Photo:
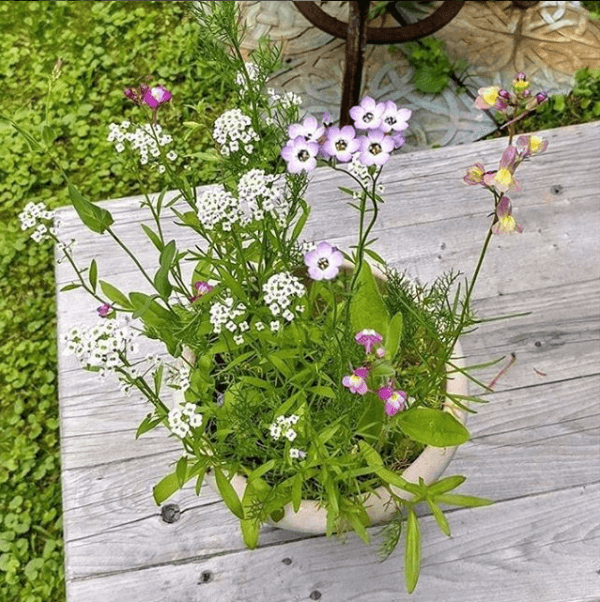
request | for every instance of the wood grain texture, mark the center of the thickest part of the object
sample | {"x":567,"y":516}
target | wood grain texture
{"x":534,"y":448}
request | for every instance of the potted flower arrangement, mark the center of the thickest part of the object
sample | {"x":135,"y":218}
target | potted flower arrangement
{"x":313,"y":387}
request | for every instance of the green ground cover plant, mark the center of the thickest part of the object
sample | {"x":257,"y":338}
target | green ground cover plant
{"x":76,"y":51}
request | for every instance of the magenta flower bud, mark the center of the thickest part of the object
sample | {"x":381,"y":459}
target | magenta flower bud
{"x":132,"y":95}
{"x":380,"y":352}
{"x":104,"y":310}
{"x":526,"y":93}
{"x":504,"y":94}
{"x":541,"y":97}
{"x":520,"y":77}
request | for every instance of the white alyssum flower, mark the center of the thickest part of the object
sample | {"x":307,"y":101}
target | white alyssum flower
{"x":145,"y":140}
{"x":283,"y":427}
{"x":37,"y":215}
{"x":233,"y":131}
{"x":297,"y":454}
{"x":259,"y":326}
{"x":217,"y":206}
{"x":284,"y":99}
{"x":261,"y":193}
{"x":252,"y":72}
{"x":223,"y":314}
{"x":359,"y":171}
{"x":280,"y":291}
{"x":183,"y":418}
{"x":178,"y":376}
{"x":101,"y":346}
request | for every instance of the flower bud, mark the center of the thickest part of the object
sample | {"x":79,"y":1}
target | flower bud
{"x":541,"y":97}
{"x":520,"y":77}
{"x":504,"y":94}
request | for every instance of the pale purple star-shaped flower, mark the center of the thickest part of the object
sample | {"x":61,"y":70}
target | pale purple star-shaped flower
{"x":367,"y":338}
{"x":368,"y":114}
{"x":323,"y":262}
{"x":375,"y":148}
{"x":356,"y":381}
{"x":395,"y":401}
{"x":309,"y":129}
{"x":156,"y":96}
{"x":393,"y":118}
{"x":300,"y":154}
{"x":341,"y":143}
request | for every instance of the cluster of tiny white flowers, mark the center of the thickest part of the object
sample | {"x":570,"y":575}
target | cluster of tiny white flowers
{"x":217,"y":206}
{"x":283,"y":427}
{"x":224,"y":314}
{"x":232,"y":129}
{"x":146,"y":139}
{"x":99,"y":347}
{"x":178,"y":376}
{"x":184,"y":418}
{"x":36,"y":215}
{"x":359,"y":171}
{"x":279,"y":291}
{"x":285,"y":99}
{"x":258,"y":195}
{"x":297,"y":454}
{"x":253,"y":73}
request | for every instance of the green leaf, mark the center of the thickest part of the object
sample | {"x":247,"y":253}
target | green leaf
{"x":250,"y":526}
{"x":181,"y":470}
{"x":165,"y":488}
{"x":371,"y":456}
{"x":93,"y":274}
{"x":300,"y":224}
{"x":440,"y":519}
{"x":230,"y":497}
{"x":323,"y":391}
{"x":433,"y":427}
{"x":394,"y":335}
{"x":429,"y":80}
{"x":70,"y":287}
{"x":95,"y":218}
{"x":153,"y":237}
{"x":468,"y":501}
{"x":279,"y":364}
{"x":33,"y":143}
{"x":147,"y":424}
{"x":412,"y":552}
{"x":446,"y":484}
{"x":367,"y":307}
{"x":371,"y":422}
{"x":115,"y":295}
{"x":48,"y":136}
{"x":297,"y":492}
{"x":161,"y":278}
{"x":261,"y":470}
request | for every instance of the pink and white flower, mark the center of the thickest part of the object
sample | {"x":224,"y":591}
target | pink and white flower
{"x":156,"y":96}
{"x":367,"y":338}
{"x":395,"y":401}
{"x":356,"y":381}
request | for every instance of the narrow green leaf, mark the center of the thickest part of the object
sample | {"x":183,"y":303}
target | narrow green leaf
{"x":230,"y":497}
{"x":371,"y":456}
{"x":446,"y":484}
{"x":412,"y":553}
{"x":300,"y":224}
{"x":279,"y":364}
{"x":95,"y":218}
{"x":468,"y":501}
{"x":433,"y":427}
{"x":153,"y":237}
{"x":70,"y":287}
{"x":48,"y":135}
{"x":93,"y":274}
{"x":181,"y":470}
{"x":115,"y":295}
{"x":323,"y":391}
{"x":261,"y":470}
{"x":33,"y":143}
{"x":297,"y":492}
{"x":165,"y":488}
{"x":147,"y":424}
{"x":440,"y":519}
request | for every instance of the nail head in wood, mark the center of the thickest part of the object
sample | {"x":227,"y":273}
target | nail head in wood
{"x":205,"y":577}
{"x":170,"y":513}
{"x":315,"y":595}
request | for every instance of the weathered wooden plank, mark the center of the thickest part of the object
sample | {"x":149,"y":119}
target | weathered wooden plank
{"x":543,"y":548}
{"x":543,"y":429}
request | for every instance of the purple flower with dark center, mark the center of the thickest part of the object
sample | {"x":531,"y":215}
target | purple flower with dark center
{"x":323,"y":262}
{"x":104,"y":310}
{"x":393,"y":118}
{"x":375,"y":148}
{"x":367,"y":338}
{"x":341,"y":143}
{"x":156,"y":96}
{"x":395,"y":401}
{"x":368,"y":114}
{"x":506,"y":223}
{"x":356,"y":381}
{"x":300,"y":154}
{"x":309,"y":129}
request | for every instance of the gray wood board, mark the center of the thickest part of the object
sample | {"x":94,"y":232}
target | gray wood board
{"x":534,"y":447}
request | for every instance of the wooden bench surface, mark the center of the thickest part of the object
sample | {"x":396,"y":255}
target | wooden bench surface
{"x":534,"y":449}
